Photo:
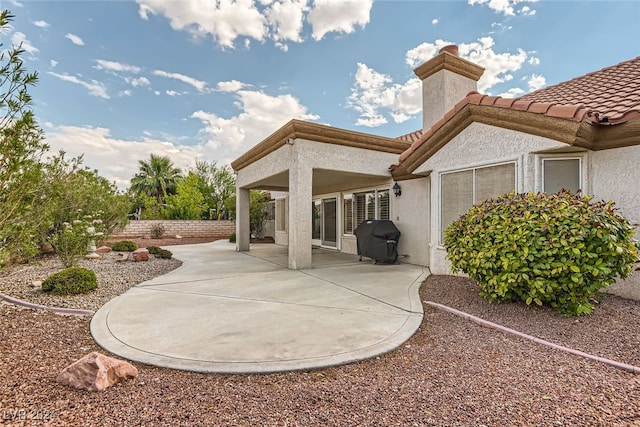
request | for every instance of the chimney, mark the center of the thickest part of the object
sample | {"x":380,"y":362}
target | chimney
{"x":446,"y":80}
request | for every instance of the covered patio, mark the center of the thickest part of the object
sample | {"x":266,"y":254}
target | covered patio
{"x":305,"y":164}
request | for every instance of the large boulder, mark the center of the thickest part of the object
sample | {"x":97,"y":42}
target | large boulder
{"x":95,"y":372}
{"x":103,"y":250}
{"x":141,"y":254}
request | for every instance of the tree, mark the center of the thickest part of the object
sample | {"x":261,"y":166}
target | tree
{"x":21,"y":145}
{"x":217,"y":185}
{"x":157,"y":177}
{"x":188,"y":202}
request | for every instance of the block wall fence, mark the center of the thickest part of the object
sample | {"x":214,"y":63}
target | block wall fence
{"x":185,"y":228}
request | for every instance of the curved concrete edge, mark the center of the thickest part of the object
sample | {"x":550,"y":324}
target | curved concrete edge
{"x":57,"y":310}
{"x":102,"y":335}
{"x":488,"y":324}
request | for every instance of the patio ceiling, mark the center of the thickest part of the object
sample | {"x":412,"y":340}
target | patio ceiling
{"x":324,"y":181}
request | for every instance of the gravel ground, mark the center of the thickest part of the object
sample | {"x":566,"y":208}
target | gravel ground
{"x":450,"y":373}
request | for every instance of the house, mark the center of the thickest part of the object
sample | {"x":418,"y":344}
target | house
{"x":581,"y":134}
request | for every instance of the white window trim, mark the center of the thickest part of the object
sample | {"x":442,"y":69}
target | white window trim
{"x":346,"y":196}
{"x":565,"y":156}
{"x":514,"y":162}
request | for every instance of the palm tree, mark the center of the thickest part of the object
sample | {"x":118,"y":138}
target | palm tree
{"x":157,"y":178}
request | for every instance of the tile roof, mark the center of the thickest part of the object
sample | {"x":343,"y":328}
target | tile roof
{"x":611,"y":94}
{"x":605,"y":97}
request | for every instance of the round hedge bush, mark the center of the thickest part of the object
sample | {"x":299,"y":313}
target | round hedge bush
{"x":124,"y":246}
{"x":159,"y":252}
{"x":72,"y":280}
{"x":553,"y":249}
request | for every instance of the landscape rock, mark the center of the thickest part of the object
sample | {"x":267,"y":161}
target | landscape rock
{"x":95,"y":372}
{"x":47,"y":248}
{"x":141,"y":254}
{"x":123,"y":257}
{"x":103,"y":250}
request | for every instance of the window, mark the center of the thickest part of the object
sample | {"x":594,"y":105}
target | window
{"x":348,"y":214}
{"x":369,"y":205}
{"x":461,"y":190}
{"x":561,"y":173}
{"x":281,"y":214}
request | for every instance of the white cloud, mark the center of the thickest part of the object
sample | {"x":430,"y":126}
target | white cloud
{"x":224,"y":20}
{"x":286,"y":18}
{"x":223,"y":139}
{"x":536,"y":82}
{"x":377,"y":98}
{"x":20,"y":39}
{"x":278,"y":20}
{"x":534,"y":60}
{"x":41,"y":24}
{"x":53,"y":63}
{"x":198,"y":84}
{"x":527,"y":11}
{"x":498,"y":66}
{"x":74,"y":39}
{"x":338,"y":15}
{"x":173,"y":93}
{"x":512,"y":93}
{"x":126,"y":92}
{"x":137,"y":82}
{"x":117,"y":159}
{"x":506,"y":7}
{"x":230,"y":86}
{"x":94,"y":87}
{"x":260,"y":115}
{"x":102,"y":64}
{"x":435,"y":21}
{"x":373,"y":94}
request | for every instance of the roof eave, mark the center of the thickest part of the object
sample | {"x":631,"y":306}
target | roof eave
{"x":319,"y":133}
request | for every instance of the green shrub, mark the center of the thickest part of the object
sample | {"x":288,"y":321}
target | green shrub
{"x":157,"y":231}
{"x":232,"y":238}
{"x":159,"y":252}
{"x":154,"y":249}
{"x":554,"y":249}
{"x":124,"y":246}
{"x":73,"y":280}
{"x":165,"y":254}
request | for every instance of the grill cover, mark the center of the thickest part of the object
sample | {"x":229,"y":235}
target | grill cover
{"x":378,"y":240}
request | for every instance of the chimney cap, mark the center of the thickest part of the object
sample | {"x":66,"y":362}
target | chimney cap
{"x":450,"y":48}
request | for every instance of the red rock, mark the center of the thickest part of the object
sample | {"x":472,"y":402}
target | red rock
{"x":141,"y":254}
{"x":95,"y":372}
{"x":103,"y":250}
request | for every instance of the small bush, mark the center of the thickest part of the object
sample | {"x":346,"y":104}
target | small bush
{"x":556,"y":249}
{"x":73,"y":280}
{"x":159,"y":252}
{"x":124,"y":246}
{"x":157,"y":231}
{"x":232,"y":238}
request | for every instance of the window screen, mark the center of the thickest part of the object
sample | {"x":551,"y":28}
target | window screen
{"x":558,"y":174}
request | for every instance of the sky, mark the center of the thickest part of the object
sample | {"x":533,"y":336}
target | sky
{"x":209,"y":79}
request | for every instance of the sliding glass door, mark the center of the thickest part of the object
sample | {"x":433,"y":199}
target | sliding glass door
{"x":324,"y":222}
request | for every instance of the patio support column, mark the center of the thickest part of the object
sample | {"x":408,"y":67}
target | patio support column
{"x":243,"y":226}
{"x":300,"y":198}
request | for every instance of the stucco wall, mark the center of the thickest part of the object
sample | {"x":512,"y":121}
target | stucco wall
{"x":219,"y":229}
{"x":615,"y":176}
{"x":411,"y":214}
{"x":480,"y":145}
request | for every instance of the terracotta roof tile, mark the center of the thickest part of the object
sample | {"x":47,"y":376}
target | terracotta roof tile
{"x":610,"y":95}
{"x":411,"y":137}
{"x":613,"y":92}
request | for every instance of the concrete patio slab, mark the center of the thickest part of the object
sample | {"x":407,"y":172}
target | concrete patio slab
{"x":232,"y":312}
